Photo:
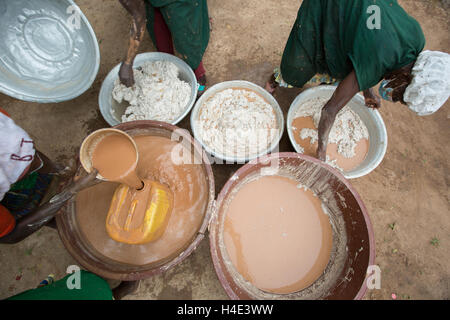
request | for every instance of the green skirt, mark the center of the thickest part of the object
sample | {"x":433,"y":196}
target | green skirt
{"x":335,"y":37}
{"x":304,"y":55}
{"x":188,"y":22}
{"x":92,"y":287}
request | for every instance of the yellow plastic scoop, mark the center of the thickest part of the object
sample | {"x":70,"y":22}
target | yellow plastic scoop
{"x":139,"y":216}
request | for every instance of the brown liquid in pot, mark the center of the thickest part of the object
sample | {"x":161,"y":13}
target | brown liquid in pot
{"x":277,"y":235}
{"x":187,"y":182}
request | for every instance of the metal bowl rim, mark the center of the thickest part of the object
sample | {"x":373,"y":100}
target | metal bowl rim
{"x":113,"y":74}
{"x":236,"y":83}
{"x":227,"y":188}
{"x":31,"y":98}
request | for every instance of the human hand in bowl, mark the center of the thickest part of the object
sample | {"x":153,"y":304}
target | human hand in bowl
{"x":126,"y":74}
{"x":137,"y":9}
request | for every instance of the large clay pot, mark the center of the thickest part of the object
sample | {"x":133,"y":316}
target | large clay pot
{"x":353,"y":240}
{"x":91,"y":259}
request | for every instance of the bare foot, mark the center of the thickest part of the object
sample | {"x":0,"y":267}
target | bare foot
{"x":271,"y":85}
{"x":371,"y":99}
{"x":126,"y":75}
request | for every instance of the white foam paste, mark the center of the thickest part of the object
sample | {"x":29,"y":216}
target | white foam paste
{"x":347,"y":129}
{"x":158,"y":93}
{"x":237,"y":123}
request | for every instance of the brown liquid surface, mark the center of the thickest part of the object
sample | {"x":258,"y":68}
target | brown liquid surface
{"x":189,"y":186}
{"x":277,"y":235}
{"x":114,"y":157}
{"x":347,"y":164}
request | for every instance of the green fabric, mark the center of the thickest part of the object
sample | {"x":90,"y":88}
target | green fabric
{"x":92,"y":288}
{"x":188,"y":22}
{"x":27,"y":194}
{"x":160,"y":3}
{"x":331,"y":36}
{"x":28,"y":182}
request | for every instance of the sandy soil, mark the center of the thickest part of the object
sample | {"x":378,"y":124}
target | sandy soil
{"x":407,"y":196}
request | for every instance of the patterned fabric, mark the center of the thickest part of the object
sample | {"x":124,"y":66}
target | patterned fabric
{"x":279,"y":78}
{"x":49,"y":280}
{"x":26,"y":195}
{"x":385,"y":93}
{"x":322,"y":79}
{"x":317,"y":79}
{"x":188,"y":22}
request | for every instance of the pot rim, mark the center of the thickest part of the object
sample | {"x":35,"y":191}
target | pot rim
{"x":83,"y":258}
{"x":248,"y":167}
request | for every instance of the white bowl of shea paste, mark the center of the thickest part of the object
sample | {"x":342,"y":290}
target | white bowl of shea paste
{"x":371,"y":119}
{"x":237,"y":121}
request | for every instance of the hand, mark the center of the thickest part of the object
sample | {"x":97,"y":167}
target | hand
{"x":137,"y":9}
{"x":371,"y":99}
{"x":84,"y":181}
{"x":126,"y":75}
{"x":44,"y":213}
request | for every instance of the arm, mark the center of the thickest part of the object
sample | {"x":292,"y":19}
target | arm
{"x":43,"y":214}
{"x":345,"y":91}
{"x":137,"y":9}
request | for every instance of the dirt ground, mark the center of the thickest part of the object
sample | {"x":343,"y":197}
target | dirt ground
{"x":407,"y":196}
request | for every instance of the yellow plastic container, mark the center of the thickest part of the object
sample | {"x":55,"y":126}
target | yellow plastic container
{"x":139,"y":216}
